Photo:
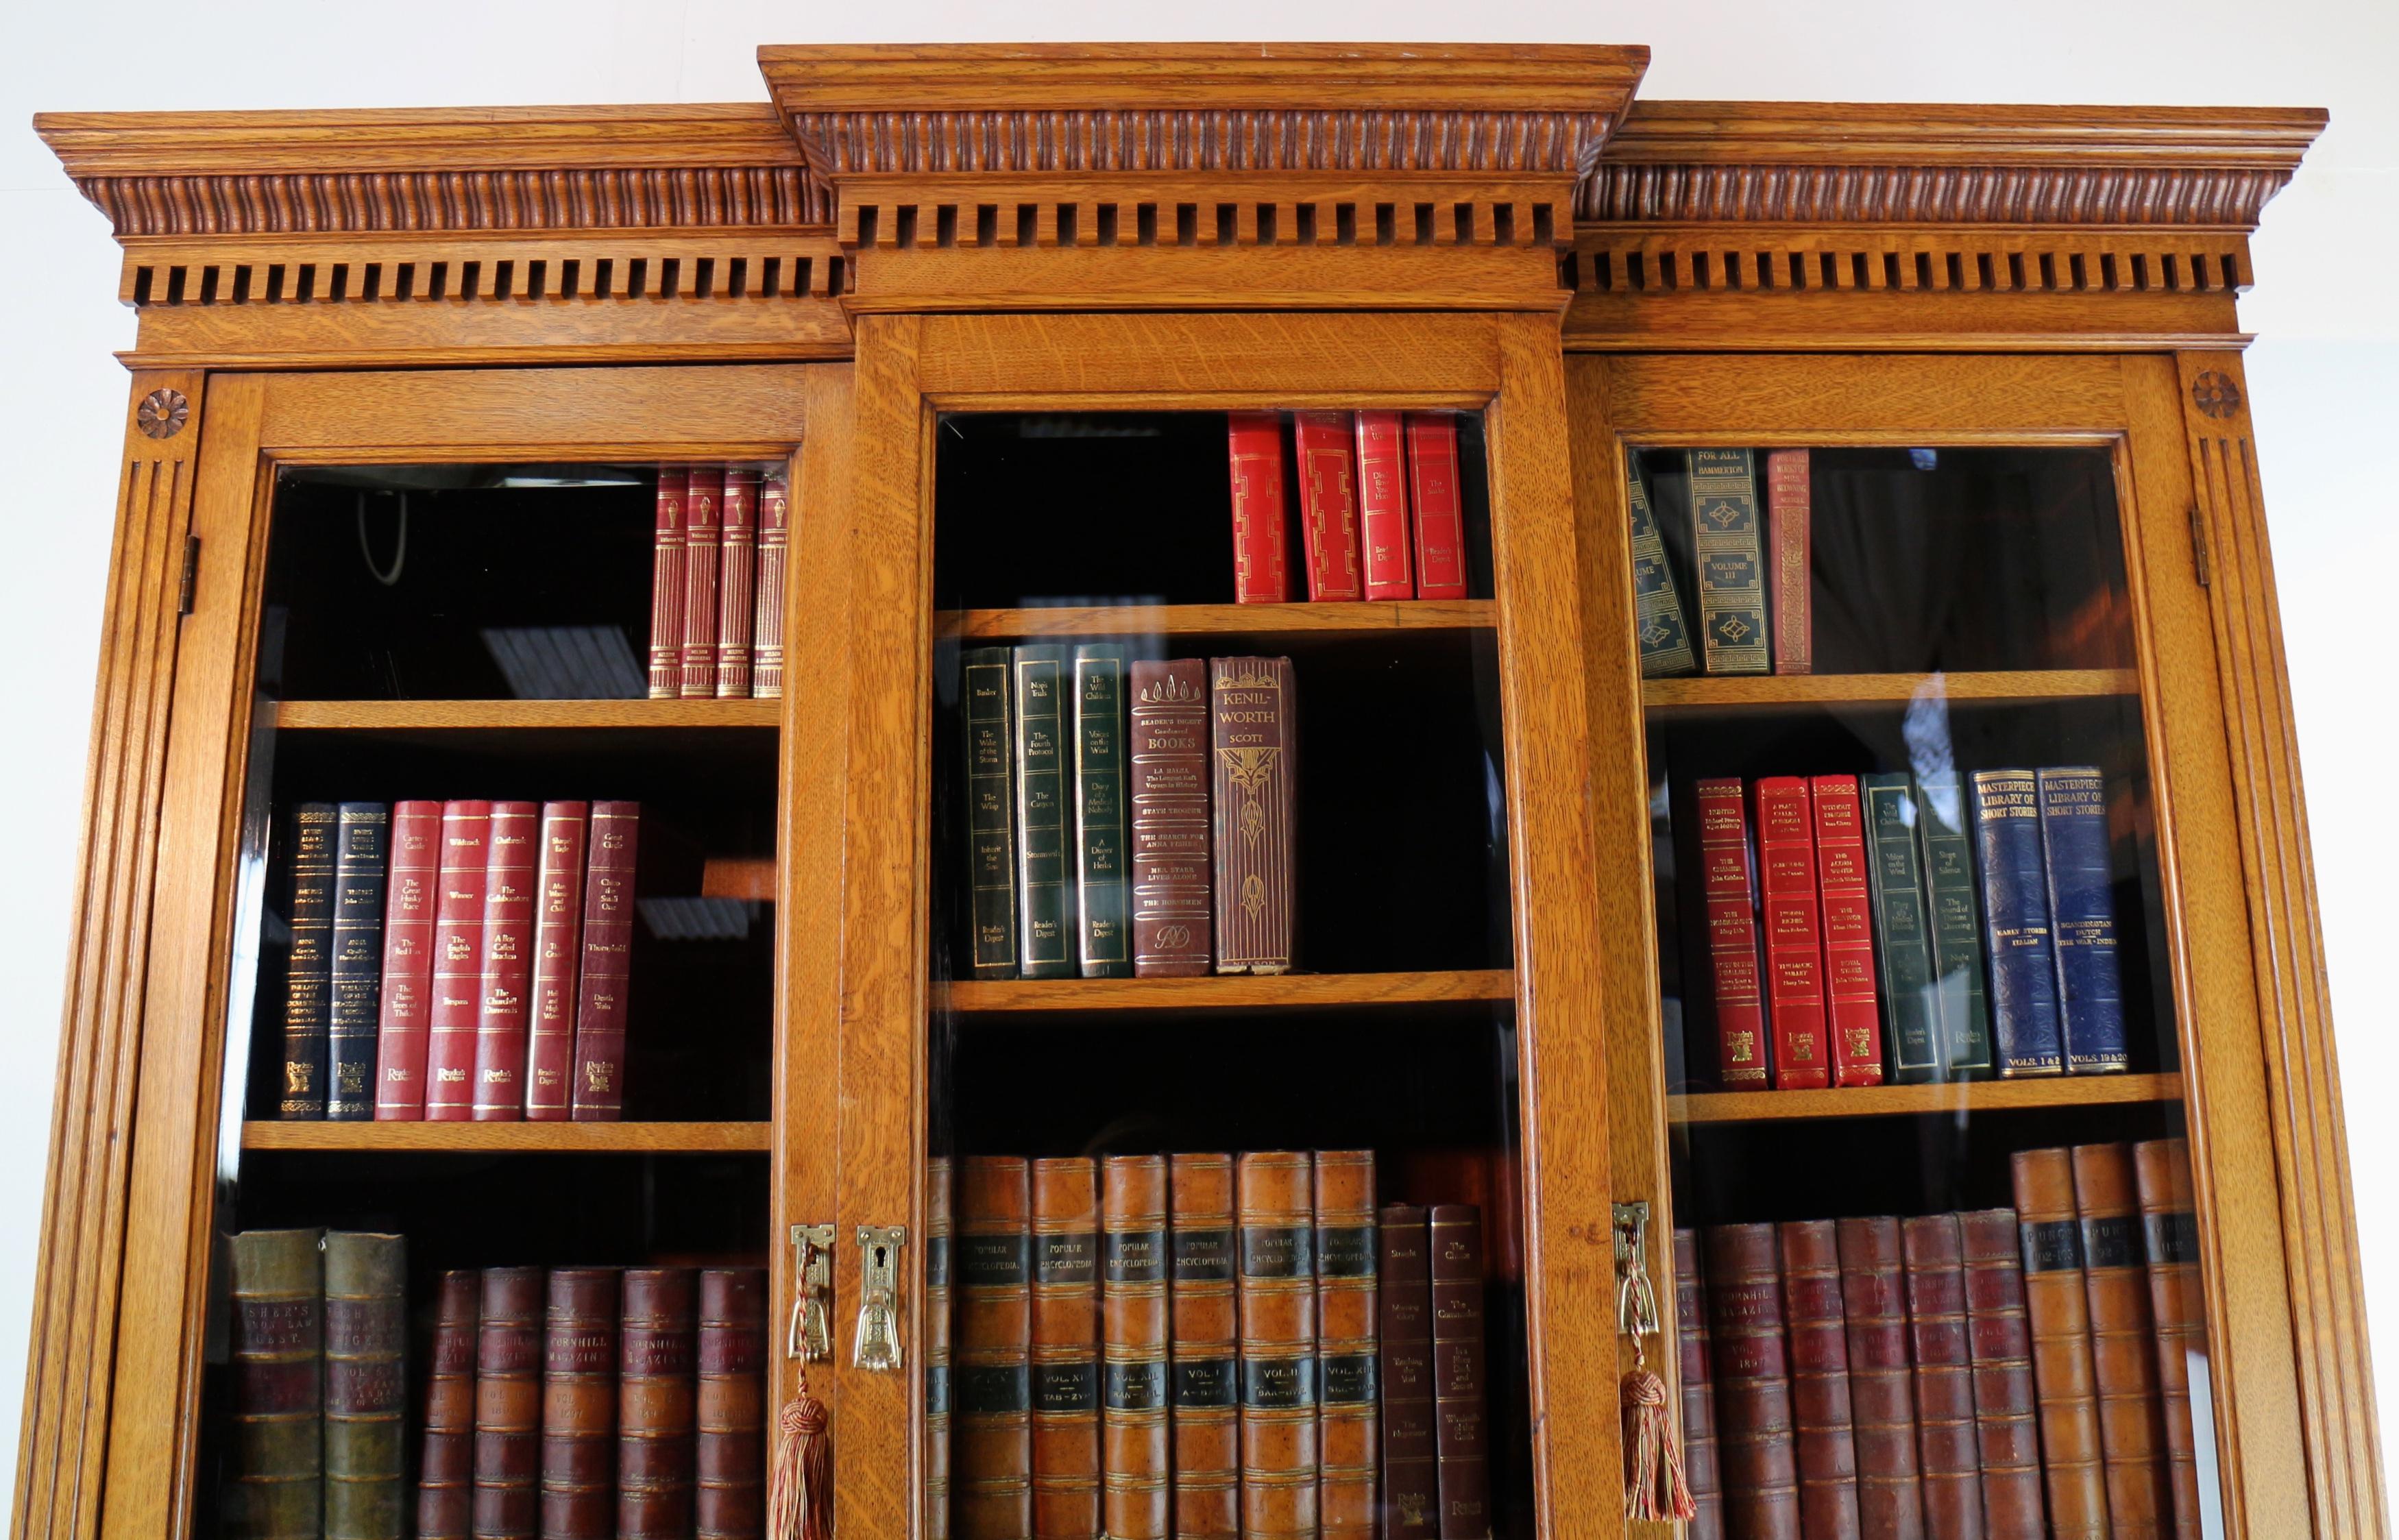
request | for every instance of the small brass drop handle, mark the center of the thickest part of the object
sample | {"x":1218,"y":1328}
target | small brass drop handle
{"x":877,"y":1345}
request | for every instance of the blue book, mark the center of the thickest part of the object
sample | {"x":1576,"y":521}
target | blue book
{"x":2015,"y":924}
{"x":355,"y":1003}
{"x":2083,"y":918}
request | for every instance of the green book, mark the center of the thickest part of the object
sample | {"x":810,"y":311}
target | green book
{"x":989,"y":699}
{"x":1955,"y":931}
{"x":1726,"y":545}
{"x":1902,"y":945}
{"x":366,"y":1386}
{"x":1104,"y":948}
{"x":279,"y":1345}
{"x":1657,"y":608}
{"x":1044,"y":888}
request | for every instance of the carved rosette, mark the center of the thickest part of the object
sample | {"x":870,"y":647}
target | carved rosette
{"x":162,"y":412}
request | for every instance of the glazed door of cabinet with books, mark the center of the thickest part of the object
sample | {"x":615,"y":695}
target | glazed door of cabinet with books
{"x":1932,"y":1021}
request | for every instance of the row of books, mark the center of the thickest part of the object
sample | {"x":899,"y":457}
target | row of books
{"x":1996,"y":1375}
{"x":716,"y":584}
{"x":1127,"y":820}
{"x":1211,"y":1347}
{"x":458,"y":960}
{"x":1878,"y":912}
{"x":1750,"y":567}
{"x":1381,"y":506}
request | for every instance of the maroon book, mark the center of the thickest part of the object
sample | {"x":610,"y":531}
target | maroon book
{"x":457,"y":962}
{"x":1754,"y":1446}
{"x":1252,"y":740}
{"x":1787,"y":571}
{"x":1882,"y":1390}
{"x":1948,"y":1466}
{"x":508,"y":1405}
{"x":657,"y":1391}
{"x":732,"y":1404}
{"x":1460,"y":1386}
{"x":1437,"y":498}
{"x":1261,"y":536}
{"x":1792,"y":911}
{"x":2006,"y":1412}
{"x":1383,"y":507}
{"x":666,"y":586}
{"x":1695,"y":1368}
{"x":445,"y":1487}
{"x":1411,"y":1497}
{"x":557,"y":960}
{"x":598,"y":1093}
{"x":511,"y":871}
{"x":578,"y":1406}
{"x":736,"y":586}
{"x":1172,"y":931}
{"x":703,"y":563}
{"x":1729,"y":893}
{"x":406,"y":1019}
{"x":774,"y":548}
{"x":1328,"y":502}
{"x":1819,"y":1379}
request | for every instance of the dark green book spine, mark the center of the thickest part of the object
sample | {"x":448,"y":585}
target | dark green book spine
{"x":308,"y":973}
{"x":366,"y":1384}
{"x":989,"y":697}
{"x":278,"y":1407}
{"x":1657,"y":608}
{"x":1044,"y":892}
{"x":1902,"y":944}
{"x":1955,"y":931}
{"x":1727,"y":537}
{"x":1104,"y":940}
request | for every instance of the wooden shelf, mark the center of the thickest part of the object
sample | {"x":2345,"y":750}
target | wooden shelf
{"x":390,"y":714}
{"x":2087,"y":1090}
{"x":1868,"y":689}
{"x":1230,"y":992}
{"x":511,"y":1138}
{"x":1259,"y":620}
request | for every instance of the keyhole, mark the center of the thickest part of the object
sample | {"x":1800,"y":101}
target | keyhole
{"x":879,"y":1255}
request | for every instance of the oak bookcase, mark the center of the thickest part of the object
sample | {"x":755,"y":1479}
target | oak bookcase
{"x":338,"y":299}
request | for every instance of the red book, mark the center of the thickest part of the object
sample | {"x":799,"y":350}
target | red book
{"x":1795,"y":939}
{"x":666,"y":586}
{"x":457,"y":962}
{"x":407,"y":1008}
{"x":1849,"y":931}
{"x":1383,"y":507}
{"x":1439,"y":505}
{"x":736,"y":586}
{"x":703,"y":563}
{"x":1823,"y":1413}
{"x":1732,"y":935}
{"x":1261,"y":572}
{"x":501,"y":1020}
{"x":1328,"y":504}
{"x":608,"y":949}
{"x":1786,"y":545}
{"x":557,"y":959}
{"x":774,"y":541}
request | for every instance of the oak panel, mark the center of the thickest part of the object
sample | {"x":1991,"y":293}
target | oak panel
{"x":1824,"y":399}
{"x":510,"y":1138}
{"x":531,"y":414}
{"x":1230,"y":992}
{"x":1966,"y":1096}
{"x":1709,"y":694}
{"x":1245,"y":620}
{"x":1253,"y":360}
{"x":1172,"y":277}
{"x":386,"y":715}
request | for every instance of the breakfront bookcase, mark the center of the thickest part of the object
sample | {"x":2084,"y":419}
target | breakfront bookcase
{"x":991,"y":305}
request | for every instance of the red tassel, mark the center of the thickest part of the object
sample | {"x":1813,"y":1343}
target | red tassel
{"x":1653,"y":1487}
{"x":799,"y":1489}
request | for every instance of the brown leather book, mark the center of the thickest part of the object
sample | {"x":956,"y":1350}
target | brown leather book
{"x":557,"y":961}
{"x":657,"y":1358}
{"x":1937,"y":1344}
{"x":366,"y":1386}
{"x":1697,"y":1373}
{"x":1273,"y":1196}
{"x":1882,"y":1387}
{"x":446,"y":1470}
{"x":579,"y":1405}
{"x":1065,"y":1349}
{"x":1460,"y":1384}
{"x":278,"y":1336}
{"x":730,"y":1501}
{"x":2058,"y":1305}
{"x":1137,"y":1500}
{"x":1251,"y":747}
{"x":2170,"y":1239}
{"x":1349,"y":1449}
{"x":1168,"y":813}
{"x":2124,"y":1343}
{"x":507,"y":1404}
{"x":934,"y":1328}
{"x":2006,"y":1419}
{"x":1819,"y":1379}
{"x":1754,"y":1439}
{"x":1411,"y":1503}
{"x":502,"y":1020}
{"x":991,"y":1432}
{"x":1204,"y":1349}
{"x":600,"y":1003}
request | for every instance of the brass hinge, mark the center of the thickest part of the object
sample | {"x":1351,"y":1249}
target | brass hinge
{"x":2198,"y":546}
{"x":191,"y":575}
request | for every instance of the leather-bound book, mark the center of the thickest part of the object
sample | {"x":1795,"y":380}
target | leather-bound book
{"x":1065,"y":1349}
{"x":1252,"y":716}
{"x":991,"y":1431}
{"x":502,"y":1021}
{"x":579,"y":1405}
{"x":1261,"y":535}
{"x":2015,"y":924}
{"x":557,"y":961}
{"x":730,"y":1500}
{"x":988,"y":695}
{"x":601,"y":998}
{"x":1205,"y":1349}
{"x":308,"y":976}
{"x":411,"y":888}
{"x":1664,"y":638}
{"x":1695,"y":1370}
{"x":1172,"y":922}
{"x":1731,"y":896}
{"x":1819,"y":1379}
{"x":1882,"y":1383}
{"x":1754,"y":1443}
{"x":445,"y":1483}
{"x":2007,"y":1431}
{"x":2123,"y":1341}
{"x":773,"y":549}
{"x":1954,"y":920}
{"x":2058,"y":1304}
{"x":2083,"y":918}
{"x":507,"y":1404}
{"x":1136,"y":1459}
{"x":1728,"y":544}
{"x":736,"y":597}
{"x":1349,"y":1449}
{"x":1787,"y":511}
{"x":366,"y":1386}
{"x":2170,"y":1239}
{"x":1328,"y":504}
{"x":1793,"y":918}
{"x":657,"y":1358}
{"x":666,"y":585}
{"x":1903,"y":944}
{"x":703,"y":569}
{"x":1852,"y":1011}
{"x":1437,"y":500}
{"x":362,"y":831}
{"x":1411,"y":1500}
{"x":1045,"y":793}
{"x":1103,"y":943}
{"x":457,"y":961}
{"x":1277,"y":1250}
{"x":1383,"y":507}
{"x":1460,"y":1378}
{"x":1948,"y":1460}
{"x":934,"y":1328}
{"x":279,"y":1293}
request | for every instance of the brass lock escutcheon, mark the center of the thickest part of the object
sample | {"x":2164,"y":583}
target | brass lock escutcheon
{"x":810,"y":1337}
{"x":877,"y":1344}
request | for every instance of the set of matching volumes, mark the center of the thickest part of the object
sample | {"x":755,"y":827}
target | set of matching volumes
{"x":1878,"y":899}
{"x":1212,"y":1347}
{"x":1968,"y":1376}
{"x":1128,"y":820}
{"x":1382,"y":509}
{"x":716,"y":584}
{"x":1750,"y":567}
{"x":460,"y":960}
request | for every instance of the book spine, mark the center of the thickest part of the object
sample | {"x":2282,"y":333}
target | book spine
{"x":457,"y":961}
{"x":1103,"y":947}
{"x":985,"y":684}
{"x":1065,"y":1349}
{"x":447,"y":1464}
{"x":366,"y":1384}
{"x":601,"y":998}
{"x":656,"y":1403}
{"x":2123,"y":1338}
{"x":1794,"y":924}
{"x":667,"y":585}
{"x":1461,"y":1393}
{"x":2057,"y":1305}
{"x":579,"y":1405}
{"x":1328,"y":504}
{"x":1852,"y":1011}
{"x":508,"y":1405}
{"x":1822,"y":1416}
{"x":1205,"y":1349}
{"x":1173,"y":934}
{"x":1726,"y":547}
{"x":1902,"y":945}
{"x":308,"y":976}
{"x":1664,"y":638}
{"x":703,"y":566}
{"x":502,"y":1021}
{"x":991,"y":1448}
{"x":1732,"y":935}
{"x":1437,"y":497}
{"x":729,"y":1501}
{"x":1348,"y":1448}
{"x":279,"y":1334}
{"x":737,"y":606}
{"x":1251,"y":743}
{"x":1752,"y":1382}
{"x":1696,"y":1374}
{"x":2015,"y":924}
{"x":1261,"y":535}
{"x":1882,"y":1392}
{"x":355,"y":996}
{"x":1045,"y":917}
{"x":1954,"y":917}
{"x":413,"y":884}
{"x":774,"y":552}
{"x":1411,"y":1505}
{"x":935,"y":1326}
{"x":2006,"y":1402}
{"x":1137,"y":1500}
{"x":1786,"y":535}
{"x":2083,"y":918}
{"x":1943,"y":1378}
{"x":557,"y":960}
{"x":2178,"y":1305}
{"x":1383,"y":507}
{"x":1277,"y":1292}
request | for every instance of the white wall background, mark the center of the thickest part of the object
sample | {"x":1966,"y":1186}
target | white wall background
{"x":2327,"y":403}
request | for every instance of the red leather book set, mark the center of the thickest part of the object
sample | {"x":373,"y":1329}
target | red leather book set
{"x":718,"y":578}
